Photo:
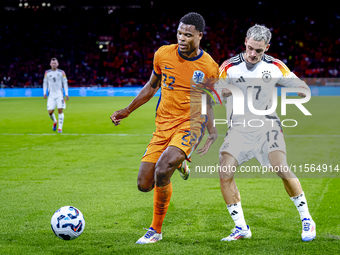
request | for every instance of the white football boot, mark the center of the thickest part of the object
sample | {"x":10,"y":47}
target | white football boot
{"x":151,"y":236}
{"x":238,"y":233}
{"x":308,"y":230}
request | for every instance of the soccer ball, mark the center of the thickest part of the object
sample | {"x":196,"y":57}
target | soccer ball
{"x":68,"y":223}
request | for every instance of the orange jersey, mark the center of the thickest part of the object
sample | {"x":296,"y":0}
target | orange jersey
{"x":178,"y":73}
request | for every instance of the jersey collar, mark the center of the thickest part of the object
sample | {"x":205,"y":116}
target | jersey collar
{"x":190,"y":59}
{"x":250,"y":66}
{"x":242,"y":58}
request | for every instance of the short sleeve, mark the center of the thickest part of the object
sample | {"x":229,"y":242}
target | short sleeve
{"x":223,"y":71}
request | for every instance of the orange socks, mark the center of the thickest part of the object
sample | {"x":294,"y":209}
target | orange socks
{"x":161,"y":201}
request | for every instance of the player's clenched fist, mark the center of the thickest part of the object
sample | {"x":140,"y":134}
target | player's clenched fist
{"x":302,"y":94}
{"x":117,"y":116}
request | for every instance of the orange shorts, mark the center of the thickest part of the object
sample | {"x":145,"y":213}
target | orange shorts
{"x":183,"y":136}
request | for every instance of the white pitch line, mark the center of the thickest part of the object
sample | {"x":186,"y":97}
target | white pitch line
{"x":113,"y":134}
{"x":312,"y":135}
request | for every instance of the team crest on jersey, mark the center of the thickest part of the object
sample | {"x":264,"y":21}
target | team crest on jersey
{"x":266,"y":77}
{"x":198,"y":77}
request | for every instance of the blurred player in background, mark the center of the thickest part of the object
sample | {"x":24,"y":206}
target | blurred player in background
{"x":266,"y":143}
{"x":54,"y":81}
{"x":179,"y":124}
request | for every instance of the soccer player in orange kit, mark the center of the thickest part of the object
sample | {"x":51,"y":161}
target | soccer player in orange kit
{"x":178,"y":69}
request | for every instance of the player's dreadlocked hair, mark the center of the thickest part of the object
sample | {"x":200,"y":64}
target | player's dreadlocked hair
{"x":193,"y":18}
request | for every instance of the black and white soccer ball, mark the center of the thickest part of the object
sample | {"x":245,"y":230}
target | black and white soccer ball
{"x":68,"y":223}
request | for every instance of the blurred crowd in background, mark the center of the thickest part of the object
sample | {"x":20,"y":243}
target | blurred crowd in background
{"x":100,"y":47}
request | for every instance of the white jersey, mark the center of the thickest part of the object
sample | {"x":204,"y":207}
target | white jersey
{"x":262,"y":77}
{"x":54,"y":81}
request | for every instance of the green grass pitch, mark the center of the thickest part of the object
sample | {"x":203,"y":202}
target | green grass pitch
{"x":93,"y":166}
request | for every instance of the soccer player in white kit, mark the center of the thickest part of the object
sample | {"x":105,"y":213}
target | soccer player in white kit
{"x":253,"y":68}
{"x":55,"y":80}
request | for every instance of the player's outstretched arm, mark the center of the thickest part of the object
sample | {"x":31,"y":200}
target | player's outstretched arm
{"x":289,"y":79}
{"x":304,"y":87}
{"x":212,"y":131}
{"x":65,"y":85}
{"x":148,"y":91}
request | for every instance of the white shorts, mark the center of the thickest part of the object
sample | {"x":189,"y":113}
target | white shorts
{"x":58,"y":102}
{"x":245,"y":146}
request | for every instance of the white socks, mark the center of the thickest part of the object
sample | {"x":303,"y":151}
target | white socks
{"x":236,"y":211}
{"x":236,"y":214}
{"x":301,"y":204}
{"x":61,"y":120}
{"x":52,"y":116}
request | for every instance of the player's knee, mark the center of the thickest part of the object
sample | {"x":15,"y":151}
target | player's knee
{"x":163,"y":167}
{"x":60,"y":111}
{"x":281,"y":169}
{"x":279,"y":166}
{"x":163,"y":174}
{"x":226,"y":159}
{"x":226,"y":181}
{"x":145,"y":186}
{"x":226,"y":176}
